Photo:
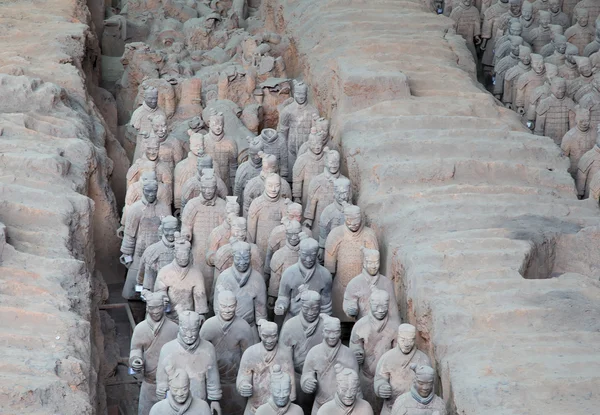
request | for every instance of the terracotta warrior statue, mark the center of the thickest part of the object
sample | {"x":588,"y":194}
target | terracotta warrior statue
{"x":528,"y":82}
{"x":301,"y":333}
{"x":254,"y":377}
{"x":591,"y":6}
{"x":221,"y":234}
{"x":201,"y":215}
{"x":371,"y":337}
{"x":134,"y":193}
{"x":582,"y":85}
{"x":594,"y":45}
{"x":222,"y":149}
{"x":528,"y":21}
{"x":558,"y":17}
{"x":277,"y":238}
{"x":139,"y":119}
{"x":193,"y":186}
{"x":141,"y":231}
{"x":558,"y":57}
{"x":231,"y":336}
{"x":591,"y":101}
{"x":322,"y":126}
{"x":179,"y":400}
{"x":393,"y":375}
{"x":256,"y":186}
{"x":158,"y":254}
{"x":247,"y":285}
{"x":171,"y":149}
{"x":307,"y":273}
{"x":295,"y":121}
{"x":343,"y":256}
{"x":280,"y":403}
{"x":147,"y":339}
{"x":346,"y":399}
{"x":541,"y":35}
{"x":555,"y":115}
{"x":223,"y":258}
{"x":489,"y":34}
{"x":359,"y":289}
{"x":274,"y":143}
{"x":467,"y":24}
{"x":421,"y":398}
{"x":588,"y":165}
{"x":569,"y":69}
{"x":181,"y":283}
{"x":250,"y":168}
{"x":579,"y":140}
{"x":308,"y":166}
{"x":284,"y":258}
{"x":318,"y":374}
{"x":503,"y":45}
{"x":506,"y":63}
{"x":333,"y":214}
{"x":582,"y":32}
{"x":194,"y":355}
{"x":188,"y":167}
{"x":512,"y":75}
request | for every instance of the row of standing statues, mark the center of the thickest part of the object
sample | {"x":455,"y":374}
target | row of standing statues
{"x":542,"y":60}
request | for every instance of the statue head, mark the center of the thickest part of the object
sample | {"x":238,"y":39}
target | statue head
{"x":204,"y":161}
{"x":239,"y":228}
{"x":273,"y":185}
{"x":537,"y":64}
{"x":281,"y":386}
{"x":159,"y":125}
{"x":583,"y":16}
{"x":195,"y":123}
{"x":311,"y":305}
{"x":315,"y":142}
{"x":308,"y":252}
{"x":216,"y":123}
{"x":150,"y":190}
{"x":527,"y":11}
{"x":255,"y":148}
{"x":189,"y":326}
{"x":292,"y":232}
{"x":555,"y":6}
{"x":300,"y":92}
{"x":407,"y":335}
{"x":241,"y":255}
{"x":155,"y":306}
{"x":467,"y":3}
{"x":560,"y":44}
{"x":515,"y":7}
{"x":348,"y":384}
{"x":197,"y":144}
{"x":545,"y":19}
{"x":294,"y":211}
{"x":332,"y":164}
{"x":322,"y":126}
{"x":270,"y":164}
{"x":424,"y":378}
{"x":227,"y":305}
{"x":332,"y":331}
{"x":152,"y":144}
{"x":559,"y":87}
{"x":515,"y":43}
{"x":208,"y":184}
{"x":341,"y":190}
{"x":267,"y":331}
{"x":231,"y":206}
{"x":182,"y":250}
{"x":168,"y":227}
{"x":551,"y":72}
{"x":583,"y":118}
{"x":584,"y":65}
{"x":379,"y":303}
{"x":525,"y":55}
{"x":515,"y":28}
{"x":151,"y":97}
{"x":179,"y":384}
{"x":371,"y":261}
{"x":352,"y":217}
{"x":570,"y":53}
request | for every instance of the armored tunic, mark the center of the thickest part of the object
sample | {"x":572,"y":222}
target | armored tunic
{"x":343,"y":258}
{"x":359,"y":290}
{"x":264,"y":215}
{"x":224,"y":152}
{"x":591,"y":102}
{"x":246,"y":172}
{"x":284,"y":258}
{"x":489,"y":29}
{"x":510,"y":82}
{"x":500,"y":70}
{"x":588,"y":166}
{"x":580,"y":36}
{"x":318,"y":279}
{"x":580,"y":87}
{"x":526,"y":85}
{"x":467,"y":24}
{"x":164,"y":174}
{"x":568,"y":71}
{"x":555,"y":117}
{"x":595,"y":187}
{"x":216,"y":239}
{"x":192,"y":406}
{"x":540,"y":37}
{"x":576,"y":143}
{"x":331,"y":217}
{"x":170,"y":151}
{"x":134,"y":193}
{"x":320,"y":195}
{"x":256,"y":187}
{"x":154,"y":258}
{"x":193,"y":188}
{"x":394,"y":368}
{"x":184,"y":170}
{"x":407,"y":405}
{"x":295,"y":122}
{"x":591,"y":48}
{"x":301,"y":336}
{"x":561,"y":19}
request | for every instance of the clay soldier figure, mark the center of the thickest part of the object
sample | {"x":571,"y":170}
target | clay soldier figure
{"x":224,"y":256}
{"x":503,"y":44}
{"x":158,"y":254}
{"x":284,"y":258}
{"x":505,"y":20}
{"x":171,"y":149}
{"x":305,"y":274}
{"x":559,"y":57}
{"x":141,"y":231}
{"x":279,"y":403}
{"x":222,"y":149}
{"x":540,"y":5}
{"x":467,"y":24}
{"x":569,"y":70}
{"x":591,"y":102}
{"x":147,"y":339}
{"x":201,"y":215}
{"x":592,"y":6}
{"x":489,"y":29}
{"x":134,"y":193}
{"x":274,"y":144}
{"x":301,"y":333}
{"x":254,"y":377}
{"x":256,"y":186}
{"x":180,"y":400}
{"x":308,"y":166}
{"x":347,"y":395}
{"x":393,"y":375}
{"x":322,"y":126}
{"x":512,"y":75}
{"x":343,"y":256}
{"x":265,"y":212}
{"x":579,"y":140}
{"x":221,"y":234}
{"x":295,"y":121}
{"x":231,"y":336}
{"x":139,"y":119}
{"x":321,"y":191}
{"x":594,"y":45}
{"x":359,"y":289}
{"x":540,"y":93}
{"x":588,"y":165}
{"x":193,"y":186}
{"x":557,"y":15}
{"x":555,"y":115}
{"x":318,"y":374}
{"x":277,"y":238}
{"x":188,"y":167}
{"x":250,"y":168}
{"x":421,"y":399}
{"x":528,"y":21}
{"x":247,"y":285}
{"x":541,"y":35}
{"x":194,"y":355}
{"x":504,"y":64}
{"x":372,"y":336}
{"x":528,"y":82}
{"x":581,"y":33}
{"x":582,"y":85}
{"x":181,"y":283}
{"x":333,"y":214}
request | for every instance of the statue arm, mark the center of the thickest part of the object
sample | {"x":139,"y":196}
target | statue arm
{"x":252,"y":221}
{"x":540,"y":124}
{"x":233,"y":162}
{"x":188,"y":216}
{"x":308,"y":372}
{"x":331,"y":248}
{"x":244,"y":375}
{"x":350,"y":304}
{"x":283,"y":161}
{"x":162,"y":379}
{"x":326,"y":300}
{"x":284,"y":294}
{"x":284,"y":124}
{"x":382,"y":376}
{"x":297,"y":180}
{"x":247,"y":201}
{"x":213,"y":382}
{"x":580,"y":181}
{"x":357,"y":344}
{"x":141,"y":275}
{"x":199,"y":294}
{"x":260,"y":302}
{"x":311,"y":204}
{"x":137,"y":347}
{"x":211,"y":251}
{"x":237,"y":183}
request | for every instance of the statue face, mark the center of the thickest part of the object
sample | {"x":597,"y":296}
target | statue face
{"x":160,"y":129}
{"x":526,"y":60}
{"x":424,"y":387}
{"x":583,"y":123}
{"x":514,"y":49}
{"x":347,"y":391}
{"x":293,"y":237}
{"x":315,"y":143}
{"x":189,"y":332}
{"x":554,"y":6}
{"x":268,"y":337}
{"x":216,"y":126}
{"x":253,"y":154}
{"x":169,"y":230}
{"x":280,"y":392}
{"x":353,"y":222}
{"x":155,"y":312}
{"x":341,"y":195}
{"x":241,"y":260}
{"x":151,"y":100}
{"x":516,"y":30}
{"x":379,"y":308}
{"x":371,"y":265}
{"x":182,"y":257}
{"x":152,"y":151}
{"x":583,"y":19}
{"x":544,"y":22}
{"x":586,"y":70}
{"x":527,"y":14}
{"x":208,"y":192}
{"x":561,"y":48}
{"x":300,"y":96}
{"x":308,"y":258}
{"x":333,"y":164}
{"x":180,"y":393}
{"x":467,"y":3}
{"x":311,"y":310}
{"x":406,"y":342}
{"x":294,"y":215}
{"x":332,"y":336}
{"x":559,"y":90}
{"x":515,"y":9}
{"x":239,"y":232}
{"x":272,"y":186}
{"x":150,"y":194}
{"x":538,"y":67}
{"x":196,"y":145}
{"x":227,"y":308}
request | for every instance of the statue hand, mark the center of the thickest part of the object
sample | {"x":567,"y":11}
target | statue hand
{"x":246,"y":390}
{"x":298,"y":200}
{"x":321,"y":255}
{"x":144,"y":293}
{"x":137,"y":364}
{"x":121,"y":232}
{"x":177,"y":213}
{"x":352,"y":311}
{"x":521,"y":111}
{"x":310,"y":386}
{"x":126,"y":260}
{"x":385,"y":391}
{"x":360,"y":356}
{"x":478,"y":41}
{"x":215,"y":408}
{"x":161,"y":393}
{"x":308,"y":223}
{"x":279,"y":309}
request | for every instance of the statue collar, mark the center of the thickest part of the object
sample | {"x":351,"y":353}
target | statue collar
{"x":331,"y":352}
{"x":147,"y":108}
{"x":331,"y":176}
{"x":309,"y":328}
{"x":305,"y":272}
{"x":277,"y":409}
{"x":217,"y":137}
{"x":155,"y":326}
{"x":180,"y":408}
{"x":208,"y":202}
{"x":167,"y":243}
{"x":190,"y":348}
{"x":338,"y":206}
{"x":292,"y":247}
{"x":419,"y":398}
{"x":242,"y":278}
{"x":224,"y":323}
{"x":379,"y":324}
{"x":272,"y":199}
{"x":347,"y":410}
{"x":372,"y":280}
